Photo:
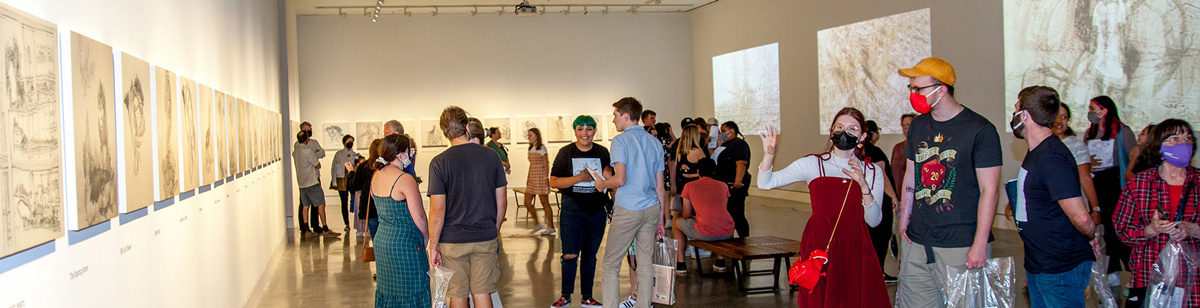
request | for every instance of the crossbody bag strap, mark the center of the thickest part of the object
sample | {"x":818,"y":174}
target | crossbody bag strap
{"x":1187,"y":190}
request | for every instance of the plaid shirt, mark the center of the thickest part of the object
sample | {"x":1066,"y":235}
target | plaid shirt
{"x":1138,"y":202}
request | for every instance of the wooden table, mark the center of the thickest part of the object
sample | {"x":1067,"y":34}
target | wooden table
{"x":517,"y":191}
{"x":741,"y":250}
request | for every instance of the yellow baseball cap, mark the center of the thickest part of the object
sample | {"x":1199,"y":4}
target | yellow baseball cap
{"x":936,"y":67}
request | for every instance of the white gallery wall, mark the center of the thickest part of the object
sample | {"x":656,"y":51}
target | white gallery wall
{"x":207,"y":248}
{"x":967,"y":34}
{"x":410,"y":68}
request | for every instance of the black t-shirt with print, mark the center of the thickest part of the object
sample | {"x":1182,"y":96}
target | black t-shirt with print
{"x":571,"y":161}
{"x":1052,"y":245}
{"x":946,"y":154}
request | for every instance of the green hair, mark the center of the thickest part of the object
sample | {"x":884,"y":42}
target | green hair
{"x":584,"y":120}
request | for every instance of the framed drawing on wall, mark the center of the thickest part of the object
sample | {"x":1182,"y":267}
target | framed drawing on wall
{"x":431,"y":134}
{"x":95,"y":133}
{"x":524,"y":124}
{"x":502,"y":124}
{"x":135,"y":107}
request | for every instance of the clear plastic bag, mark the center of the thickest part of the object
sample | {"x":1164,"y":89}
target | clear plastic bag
{"x":990,"y":286}
{"x":664,"y":252}
{"x":1099,"y":277}
{"x":440,"y":278}
{"x":1100,"y":283}
{"x":664,"y":271}
{"x":1169,"y":282}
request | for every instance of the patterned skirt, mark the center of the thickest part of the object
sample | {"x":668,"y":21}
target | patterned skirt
{"x":539,"y":175}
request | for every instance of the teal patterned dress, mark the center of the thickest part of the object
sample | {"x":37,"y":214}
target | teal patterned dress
{"x":400,"y":259}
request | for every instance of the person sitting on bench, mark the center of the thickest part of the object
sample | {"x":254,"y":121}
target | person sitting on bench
{"x":705,"y":217}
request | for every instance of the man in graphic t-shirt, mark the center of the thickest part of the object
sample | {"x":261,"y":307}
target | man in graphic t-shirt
{"x":1051,"y":217}
{"x":951,"y":184}
{"x":582,"y":218}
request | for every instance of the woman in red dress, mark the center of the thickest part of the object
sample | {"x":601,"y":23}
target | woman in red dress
{"x":846,"y":192}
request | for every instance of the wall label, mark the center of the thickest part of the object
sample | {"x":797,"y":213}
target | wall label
{"x":156,"y":232}
{"x":182,"y":219}
{"x":78,"y":273}
{"x":126,"y":249}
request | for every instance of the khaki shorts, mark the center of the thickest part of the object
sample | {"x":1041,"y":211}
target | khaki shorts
{"x":475,"y":267}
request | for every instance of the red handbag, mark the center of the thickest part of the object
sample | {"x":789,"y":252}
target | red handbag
{"x":806,"y":274}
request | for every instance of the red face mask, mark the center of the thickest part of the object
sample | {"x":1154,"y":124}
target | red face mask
{"x":920,"y":103}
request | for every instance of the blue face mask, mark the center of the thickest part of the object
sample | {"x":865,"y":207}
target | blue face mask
{"x":1179,"y":155}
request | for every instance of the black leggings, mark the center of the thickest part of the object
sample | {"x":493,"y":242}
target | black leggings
{"x":1108,"y":190}
{"x":881,"y":233}
{"x":737,"y":209}
{"x":343,"y":195}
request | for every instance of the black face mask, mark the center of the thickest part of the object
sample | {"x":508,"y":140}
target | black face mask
{"x":350,"y":145}
{"x":843,"y":141}
{"x":308,"y":132}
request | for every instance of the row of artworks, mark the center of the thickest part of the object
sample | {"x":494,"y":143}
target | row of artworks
{"x":175,"y":138}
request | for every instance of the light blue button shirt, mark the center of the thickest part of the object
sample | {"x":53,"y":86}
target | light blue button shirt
{"x":642,"y":155}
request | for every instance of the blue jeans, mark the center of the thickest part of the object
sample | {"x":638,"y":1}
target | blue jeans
{"x":373,"y":226}
{"x":582,"y":232}
{"x":1064,"y":289}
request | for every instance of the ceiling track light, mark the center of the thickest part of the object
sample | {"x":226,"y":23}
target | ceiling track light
{"x":567,"y":11}
{"x":654,"y":1}
{"x":632,"y":10}
{"x":585,"y":10}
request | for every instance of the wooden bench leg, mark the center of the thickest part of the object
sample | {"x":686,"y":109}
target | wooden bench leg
{"x":743,"y":273}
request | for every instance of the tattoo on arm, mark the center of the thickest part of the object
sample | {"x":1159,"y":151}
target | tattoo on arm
{"x":909,"y":189}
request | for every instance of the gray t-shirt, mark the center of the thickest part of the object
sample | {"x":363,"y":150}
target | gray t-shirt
{"x":468,"y":175}
{"x":306,"y":166}
{"x":340,"y":159}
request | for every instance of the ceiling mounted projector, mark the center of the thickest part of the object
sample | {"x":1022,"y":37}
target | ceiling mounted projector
{"x":524,"y":9}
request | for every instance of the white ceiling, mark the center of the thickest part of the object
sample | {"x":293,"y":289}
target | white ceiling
{"x":492,"y":7}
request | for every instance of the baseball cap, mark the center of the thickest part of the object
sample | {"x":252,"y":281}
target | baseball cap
{"x":686,"y":122}
{"x":935,"y":67}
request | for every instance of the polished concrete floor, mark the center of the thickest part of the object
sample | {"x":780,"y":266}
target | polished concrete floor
{"x":326,"y":272}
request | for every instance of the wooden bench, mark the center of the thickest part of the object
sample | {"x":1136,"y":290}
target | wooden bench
{"x":517,"y":191}
{"x":741,"y":250}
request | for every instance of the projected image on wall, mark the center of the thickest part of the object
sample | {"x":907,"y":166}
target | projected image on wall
{"x":857,"y":66}
{"x":1143,"y":54}
{"x":746,"y":88}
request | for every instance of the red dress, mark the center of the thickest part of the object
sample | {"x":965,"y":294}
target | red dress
{"x":853,"y":277}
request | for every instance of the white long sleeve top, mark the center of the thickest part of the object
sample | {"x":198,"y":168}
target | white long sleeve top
{"x":806,"y":169}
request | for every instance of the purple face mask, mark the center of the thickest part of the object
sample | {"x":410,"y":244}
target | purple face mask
{"x":1179,"y":155}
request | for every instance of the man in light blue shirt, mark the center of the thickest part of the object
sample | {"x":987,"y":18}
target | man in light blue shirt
{"x":637,"y":178}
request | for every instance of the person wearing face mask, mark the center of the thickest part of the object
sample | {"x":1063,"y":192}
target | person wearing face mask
{"x":1051,"y":216}
{"x":1109,"y":142}
{"x":951,"y":185}
{"x":732,"y":168}
{"x":308,"y":179}
{"x":401,"y":269}
{"x":883,"y":232}
{"x":338,"y":173}
{"x":845,"y":189}
{"x":314,"y":148}
{"x":1161,"y":205}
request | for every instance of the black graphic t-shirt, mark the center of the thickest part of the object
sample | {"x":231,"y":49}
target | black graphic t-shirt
{"x":946,"y":154}
{"x":571,"y":161}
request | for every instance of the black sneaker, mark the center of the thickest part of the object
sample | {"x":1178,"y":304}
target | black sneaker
{"x":719,"y":265}
{"x":590,"y":303}
{"x":889,"y":279}
{"x":681,"y":267}
{"x":562,"y":302}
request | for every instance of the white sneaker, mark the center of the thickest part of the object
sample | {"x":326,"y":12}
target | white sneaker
{"x":549,"y":231}
{"x":628,"y":303}
{"x":538,"y":229}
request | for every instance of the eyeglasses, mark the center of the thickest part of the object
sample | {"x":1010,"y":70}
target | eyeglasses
{"x":1180,"y":139}
{"x":853,"y":130}
{"x":918,"y":89}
